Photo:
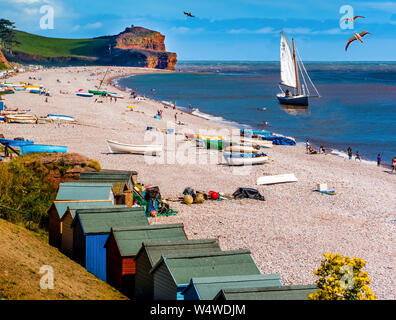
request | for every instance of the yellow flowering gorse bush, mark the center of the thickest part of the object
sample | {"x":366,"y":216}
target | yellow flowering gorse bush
{"x":342,"y":278}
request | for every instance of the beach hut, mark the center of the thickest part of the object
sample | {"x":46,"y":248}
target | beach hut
{"x":267,"y":293}
{"x":85,"y":191}
{"x":67,"y":220}
{"x":123,"y":245}
{"x":208,"y":288}
{"x":150,"y":253}
{"x":91,"y":229}
{"x":57,"y":210}
{"x":129,"y":177}
{"x":172,"y":273}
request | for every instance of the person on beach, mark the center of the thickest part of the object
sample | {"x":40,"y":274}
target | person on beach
{"x":379,"y":159}
{"x":307,"y":145}
{"x":357,"y":157}
{"x":322,"y":149}
{"x":312,"y":150}
{"x":393,"y":164}
{"x":349,"y":150}
{"x":176,"y":117}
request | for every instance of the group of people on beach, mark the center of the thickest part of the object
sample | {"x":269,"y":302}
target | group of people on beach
{"x":357,"y":155}
{"x":311,"y":150}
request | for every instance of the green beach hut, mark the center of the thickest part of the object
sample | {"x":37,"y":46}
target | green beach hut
{"x":173,"y":273}
{"x":208,"y":288}
{"x":267,"y":293}
{"x":150,"y":253}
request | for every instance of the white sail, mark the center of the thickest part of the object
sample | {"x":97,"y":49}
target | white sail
{"x":288,"y":72}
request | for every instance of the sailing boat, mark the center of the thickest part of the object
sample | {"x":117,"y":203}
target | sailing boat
{"x":291,"y":70}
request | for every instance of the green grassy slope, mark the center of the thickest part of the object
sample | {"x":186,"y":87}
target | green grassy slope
{"x":23,"y":253}
{"x":55,"y":47}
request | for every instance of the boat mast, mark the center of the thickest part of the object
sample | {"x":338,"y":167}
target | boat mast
{"x":295,"y":66}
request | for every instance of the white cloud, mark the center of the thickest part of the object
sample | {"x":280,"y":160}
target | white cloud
{"x":33,"y":11}
{"x":184,"y":30}
{"x":388,"y":6}
{"x":95,"y":25}
{"x":29,"y":1}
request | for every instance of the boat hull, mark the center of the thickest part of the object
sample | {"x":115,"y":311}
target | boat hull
{"x":21,"y":118}
{"x":242,"y":149}
{"x":38,"y":148}
{"x":300,"y":100}
{"x":117,"y":147}
{"x":282,"y":178}
{"x":60,"y":117}
{"x":237,"y":160}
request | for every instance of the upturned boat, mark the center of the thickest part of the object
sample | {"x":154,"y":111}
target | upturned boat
{"x":118,"y":147}
{"x":245,"y":159}
{"x":292,"y":72}
{"x":84,"y":94}
{"x":41,"y":148}
{"x":21,"y":118}
{"x":281,"y":178}
{"x":60,"y":117}
{"x":15,"y":143}
{"x":241,"y":149}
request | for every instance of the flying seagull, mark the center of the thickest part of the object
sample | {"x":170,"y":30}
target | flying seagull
{"x":351,"y":19}
{"x":358,"y":36}
{"x":188,"y":14}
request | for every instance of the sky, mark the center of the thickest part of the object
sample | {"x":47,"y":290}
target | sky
{"x":224,"y":29}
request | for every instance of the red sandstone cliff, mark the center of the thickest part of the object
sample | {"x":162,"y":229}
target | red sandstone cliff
{"x":3,"y":61}
{"x":137,"y":45}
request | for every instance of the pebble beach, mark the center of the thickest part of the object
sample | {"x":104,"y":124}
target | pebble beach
{"x":286,"y":234}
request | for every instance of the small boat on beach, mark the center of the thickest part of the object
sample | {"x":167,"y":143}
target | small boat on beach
{"x":21,"y":118}
{"x":40,"y":148}
{"x":241,"y":149}
{"x":115,"y":95}
{"x":60,"y":117}
{"x":85,"y":94}
{"x":98,"y":93}
{"x":245,"y":159}
{"x":15,"y":143}
{"x":250,"y":133}
{"x":117,"y":147}
{"x":253,"y":142}
{"x":291,"y":71}
{"x":281,"y":178}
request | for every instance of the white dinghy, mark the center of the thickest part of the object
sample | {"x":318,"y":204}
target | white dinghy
{"x":282,"y":178}
{"x":118,"y":147}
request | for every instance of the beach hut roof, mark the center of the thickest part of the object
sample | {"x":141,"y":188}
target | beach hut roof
{"x":208,"y":287}
{"x":267,"y":293}
{"x":118,"y":187}
{"x":61,"y":206}
{"x":129,"y":240}
{"x":84,"y":191}
{"x":208,"y":264}
{"x":155,"y":249}
{"x":101,"y":220}
{"x":87,"y":206}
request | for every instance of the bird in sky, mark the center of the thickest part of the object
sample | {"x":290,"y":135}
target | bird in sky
{"x":351,"y":19}
{"x":358,"y":36}
{"x":188,"y":14}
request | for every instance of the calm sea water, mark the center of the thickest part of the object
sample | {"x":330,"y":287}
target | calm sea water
{"x":357,"y":107}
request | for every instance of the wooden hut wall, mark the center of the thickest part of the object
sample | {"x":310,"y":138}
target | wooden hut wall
{"x":164,"y":286}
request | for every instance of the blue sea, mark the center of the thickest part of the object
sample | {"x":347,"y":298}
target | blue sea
{"x":357,"y":107}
